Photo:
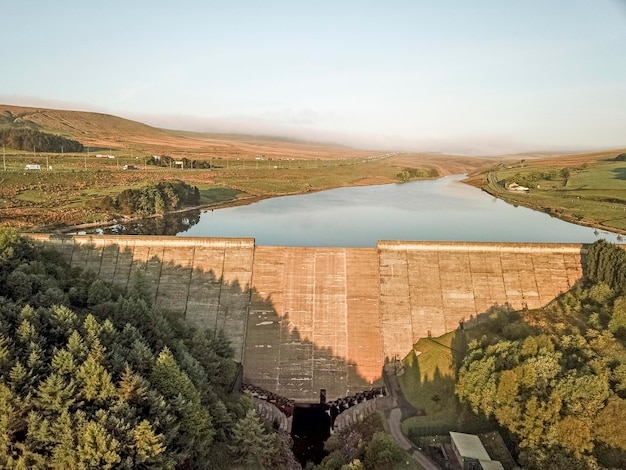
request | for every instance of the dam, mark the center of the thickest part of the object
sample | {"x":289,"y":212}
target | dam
{"x":304,"y":318}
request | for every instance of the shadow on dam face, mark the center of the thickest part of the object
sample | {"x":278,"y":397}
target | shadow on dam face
{"x":302,"y":319}
{"x":211,"y":283}
{"x":212,"y":287}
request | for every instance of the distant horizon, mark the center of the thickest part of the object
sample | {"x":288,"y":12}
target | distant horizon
{"x":322,"y":140}
{"x":474,"y":78}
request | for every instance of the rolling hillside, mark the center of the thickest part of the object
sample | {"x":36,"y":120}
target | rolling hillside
{"x":105,"y":131}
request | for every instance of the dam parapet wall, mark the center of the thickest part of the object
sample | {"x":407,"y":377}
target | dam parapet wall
{"x":305,"y":318}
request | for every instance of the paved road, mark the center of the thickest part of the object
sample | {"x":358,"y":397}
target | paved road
{"x":400,"y":409}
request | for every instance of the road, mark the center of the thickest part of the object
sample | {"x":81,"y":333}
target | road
{"x":399,"y":410}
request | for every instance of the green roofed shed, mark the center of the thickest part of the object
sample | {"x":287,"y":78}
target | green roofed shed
{"x":469,"y":450}
{"x":490,"y":465}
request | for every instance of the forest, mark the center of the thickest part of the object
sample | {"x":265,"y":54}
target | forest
{"x":95,"y":377}
{"x":554,"y":379}
{"x":24,"y":138}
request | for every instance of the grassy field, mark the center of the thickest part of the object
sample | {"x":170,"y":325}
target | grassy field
{"x":591,"y":193}
{"x":65,"y":194}
{"x":65,"y":191}
{"x":428,"y":383}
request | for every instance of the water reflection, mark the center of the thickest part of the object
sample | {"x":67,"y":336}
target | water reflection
{"x":171,"y":224}
{"x":443,"y":209}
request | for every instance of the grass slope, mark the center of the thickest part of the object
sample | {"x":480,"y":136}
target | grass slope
{"x":104,"y":131}
{"x":594,"y":194}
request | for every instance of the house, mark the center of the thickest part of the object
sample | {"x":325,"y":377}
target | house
{"x":517,"y":188}
{"x":471,"y":453}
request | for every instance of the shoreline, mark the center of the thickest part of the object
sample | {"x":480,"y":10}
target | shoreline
{"x":243,"y":201}
{"x":546,"y":210}
{"x":470,"y":180}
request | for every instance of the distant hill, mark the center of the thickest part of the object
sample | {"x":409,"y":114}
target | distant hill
{"x":97,"y":130}
{"x":89,"y":128}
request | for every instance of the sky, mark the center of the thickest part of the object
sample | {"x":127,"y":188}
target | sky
{"x":475,"y":77}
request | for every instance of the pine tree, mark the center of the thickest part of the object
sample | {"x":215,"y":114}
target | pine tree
{"x":96,"y":448}
{"x":174,"y":384}
{"x":64,"y":455}
{"x":92,"y":329}
{"x":148,"y":445}
{"x":76,"y":346}
{"x":132,"y":388}
{"x":251,"y":444}
{"x":94,"y":380}
{"x":63,"y":362}
{"x":7,"y":424}
{"x":141,"y":356}
{"x":18,"y":376}
{"x":5,"y":354}
{"x":55,"y":394}
{"x":64,"y":319}
{"x":39,"y":437}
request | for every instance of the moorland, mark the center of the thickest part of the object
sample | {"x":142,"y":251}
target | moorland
{"x":71,"y":188}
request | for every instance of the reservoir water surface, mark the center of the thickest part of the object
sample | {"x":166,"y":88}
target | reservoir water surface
{"x":442,"y":209}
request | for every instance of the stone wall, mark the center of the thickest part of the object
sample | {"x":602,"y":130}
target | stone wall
{"x":302,"y":319}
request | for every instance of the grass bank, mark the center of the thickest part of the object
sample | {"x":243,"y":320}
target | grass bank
{"x":592,"y":194}
{"x":67,"y":195}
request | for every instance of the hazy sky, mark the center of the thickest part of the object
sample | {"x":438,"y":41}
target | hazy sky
{"x":482,"y":76}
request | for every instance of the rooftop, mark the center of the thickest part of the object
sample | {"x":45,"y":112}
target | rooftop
{"x":469,"y":445}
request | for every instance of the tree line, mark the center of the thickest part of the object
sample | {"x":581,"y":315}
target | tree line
{"x":93,"y":376}
{"x":168,"y":162}
{"x":28,"y":139}
{"x":555,"y":378}
{"x":152,"y":199}
{"x":409,"y":173}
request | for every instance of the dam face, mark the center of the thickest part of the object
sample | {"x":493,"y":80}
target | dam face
{"x":302,"y":319}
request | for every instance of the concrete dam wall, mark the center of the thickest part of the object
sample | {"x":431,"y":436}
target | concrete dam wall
{"x":301,"y":319}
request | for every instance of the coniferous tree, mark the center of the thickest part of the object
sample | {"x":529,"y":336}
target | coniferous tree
{"x":96,"y":447}
{"x":148,"y":444}
{"x":118,"y":385}
{"x":251,"y":444}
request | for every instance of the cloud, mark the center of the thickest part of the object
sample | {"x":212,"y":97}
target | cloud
{"x":305,"y":124}
{"x":298,"y":129}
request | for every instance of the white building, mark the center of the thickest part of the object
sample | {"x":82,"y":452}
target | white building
{"x":471,"y":453}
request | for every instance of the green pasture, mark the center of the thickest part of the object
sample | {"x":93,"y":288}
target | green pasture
{"x":428,"y":382}
{"x":593,"y":194}
{"x":428,"y":385}
{"x":312,"y":176}
{"x":79,"y":181}
{"x":211,"y":194}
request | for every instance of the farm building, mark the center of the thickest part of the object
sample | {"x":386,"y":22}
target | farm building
{"x":471,"y":453}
